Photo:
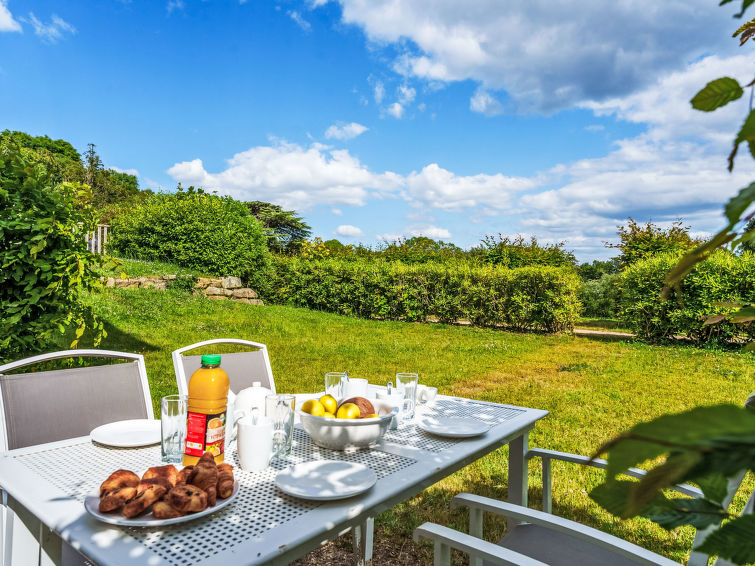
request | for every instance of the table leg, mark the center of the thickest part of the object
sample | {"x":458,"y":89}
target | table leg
{"x":361,"y":540}
{"x":518,"y":448}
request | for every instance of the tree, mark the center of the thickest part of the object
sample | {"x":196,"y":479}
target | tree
{"x":749,"y":244}
{"x":46,"y":268}
{"x":286,"y":230}
{"x":64,"y":163}
{"x":92,"y":165}
{"x":596,"y":269}
{"x":639,"y":241}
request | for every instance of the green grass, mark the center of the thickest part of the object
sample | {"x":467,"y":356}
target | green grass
{"x":593,"y":389}
{"x":602,"y":324}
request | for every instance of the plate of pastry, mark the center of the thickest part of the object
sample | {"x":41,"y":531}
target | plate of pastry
{"x":164,"y":495}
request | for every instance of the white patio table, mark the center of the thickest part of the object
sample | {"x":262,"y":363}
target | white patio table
{"x":263,"y":525}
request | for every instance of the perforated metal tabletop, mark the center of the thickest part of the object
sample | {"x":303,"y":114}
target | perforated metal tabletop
{"x":262,"y":525}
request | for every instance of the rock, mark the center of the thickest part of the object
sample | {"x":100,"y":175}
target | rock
{"x":245,"y":293}
{"x":228,"y":292}
{"x":169,"y":277}
{"x":161,"y":285}
{"x":231,"y":282}
{"x":216,"y":297}
{"x":203,"y":282}
{"x":122,"y":282}
{"x":211,"y":290}
{"x":249,"y":301}
{"x":110,"y":282}
{"x":132,"y":285}
{"x":216,"y":282}
{"x":146,"y":283}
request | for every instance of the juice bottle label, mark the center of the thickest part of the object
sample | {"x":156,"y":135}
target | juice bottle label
{"x":205,"y":433}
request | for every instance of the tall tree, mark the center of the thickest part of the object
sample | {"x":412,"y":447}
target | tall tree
{"x":285,"y":228}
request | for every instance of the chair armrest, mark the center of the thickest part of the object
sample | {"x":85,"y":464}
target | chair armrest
{"x":683,"y":488}
{"x":582,"y":532}
{"x":475,"y":547}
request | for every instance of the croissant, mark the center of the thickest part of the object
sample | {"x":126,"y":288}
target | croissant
{"x":163,"y":475}
{"x":205,"y":477}
{"x":225,"y":480}
{"x":144,"y":500}
{"x":115,"y":499}
{"x":117,"y":480}
{"x":183,"y":475}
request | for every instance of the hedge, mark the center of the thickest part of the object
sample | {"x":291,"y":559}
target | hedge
{"x":724,"y":277}
{"x":208,"y":233}
{"x":535,"y":298}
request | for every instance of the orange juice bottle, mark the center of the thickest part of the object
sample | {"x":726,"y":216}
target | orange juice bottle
{"x":208,"y":400}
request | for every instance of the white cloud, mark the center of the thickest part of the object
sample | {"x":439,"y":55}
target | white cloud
{"x":348,"y":231}
{"x":292,"y":176}
{"x":439,"y":188}
{"x":379,"y":92}
{"x":345,"y":132}
{"x":174,"y":5}
{"x":7,"y":23}
{"x":547,"y":54}
{"x":51,"y":32}
{"x":396,"y":110}
{"x":484,"y":103}
{"x":429,"y":231}
{"x":406,"y":94}
{"x":300,"y":21}
{"x":336,"y":211}
{"x":595,"y":128}
{"x":391,"y":237}
{"x":133,"y":172}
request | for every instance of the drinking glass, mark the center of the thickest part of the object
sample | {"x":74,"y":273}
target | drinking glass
{"x":279,"y":409}
{"x":334,"y":384}
{"x":173,"y":413}
{"x":406,"y":383}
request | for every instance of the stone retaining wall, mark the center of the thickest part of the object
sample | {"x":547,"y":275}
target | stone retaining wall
{"x":214,"y":288}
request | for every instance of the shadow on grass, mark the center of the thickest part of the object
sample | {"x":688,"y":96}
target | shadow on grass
{"x":122,"y":341}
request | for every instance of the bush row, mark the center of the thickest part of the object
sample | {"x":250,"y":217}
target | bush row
{"x":724,"y":277}
{"x":537,"y":298}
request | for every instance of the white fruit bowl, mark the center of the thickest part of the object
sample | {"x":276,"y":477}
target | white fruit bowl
{"x":348,"y":434}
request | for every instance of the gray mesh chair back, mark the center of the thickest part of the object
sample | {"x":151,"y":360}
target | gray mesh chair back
{"x":243,"y":368}
{"x":46,"y":406}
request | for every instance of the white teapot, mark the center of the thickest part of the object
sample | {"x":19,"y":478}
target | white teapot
{"x":242,"y":403}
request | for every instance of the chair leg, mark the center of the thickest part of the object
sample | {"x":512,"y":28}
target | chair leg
{"x":441,"y":554}
{"x":547,"y":485}
{"x":475,"y":530}
{"x":361,"y":541}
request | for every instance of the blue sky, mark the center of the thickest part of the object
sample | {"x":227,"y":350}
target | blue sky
{"x":384,"y":118}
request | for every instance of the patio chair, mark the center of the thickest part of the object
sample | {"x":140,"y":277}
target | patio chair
{"x":47,"y":406}
{"x":537,"y":538}
{"x":243,"y":368}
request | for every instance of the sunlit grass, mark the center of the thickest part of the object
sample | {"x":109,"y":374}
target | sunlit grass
{"x":593,"y":389}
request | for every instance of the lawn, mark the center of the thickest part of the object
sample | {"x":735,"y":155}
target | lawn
{"x":593,"y":389}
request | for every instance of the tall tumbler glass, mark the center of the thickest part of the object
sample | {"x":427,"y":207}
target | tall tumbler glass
{"x":280,"y":410}
{"x":173,"y":413}
{"x":406,"y":383}
{"x":334,"y":384}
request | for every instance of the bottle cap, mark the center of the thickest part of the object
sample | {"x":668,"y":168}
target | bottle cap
{"x":211,"y":360}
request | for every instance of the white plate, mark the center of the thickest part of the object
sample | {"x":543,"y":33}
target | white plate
{"x":326,"y":480}
{"x":452,"y":427}
{"x":92,"y":502}
{"x":128,"y":434}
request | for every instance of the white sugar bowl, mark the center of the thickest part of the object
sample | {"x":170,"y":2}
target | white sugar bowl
{"x":251,"y":398}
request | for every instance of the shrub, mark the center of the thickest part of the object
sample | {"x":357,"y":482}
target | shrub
{"x":722,"y":277}
{"x":640,"y":241}
{"x":600,"y":297}
{"x":518,"y":252}
{"x":45,"y":265}
{"x":538,"y":298}
{"x":212,"y":234}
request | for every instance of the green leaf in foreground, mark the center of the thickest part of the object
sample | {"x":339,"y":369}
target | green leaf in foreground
{"x":717,"y":93}
{"x":745,"y":5}
{"x":734,"y":541}
{"x":746,"y":134}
